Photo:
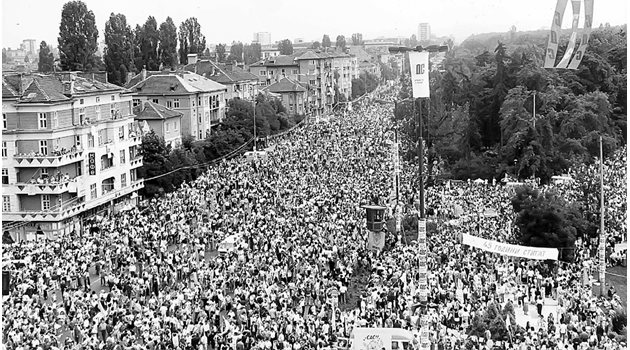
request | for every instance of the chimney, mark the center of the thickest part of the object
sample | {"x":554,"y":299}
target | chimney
{"x":144,"y":73}
{"x":192,"y":58}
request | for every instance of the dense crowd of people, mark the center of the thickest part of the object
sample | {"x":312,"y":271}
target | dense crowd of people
{"x":297,"y":221}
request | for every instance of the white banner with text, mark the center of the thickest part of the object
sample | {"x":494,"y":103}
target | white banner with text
{"x":511,"y":249}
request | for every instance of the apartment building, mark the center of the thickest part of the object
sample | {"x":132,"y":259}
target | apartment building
{"x":238,"y":82}
{"x":70,"y":148}
{"x":165,"y":122}
{"x":200,"y":100}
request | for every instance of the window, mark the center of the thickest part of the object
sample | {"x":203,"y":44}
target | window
{"x":97,"y":109}
{"x":90,"y":140}
{"x":44,"y":173}
{"x":43,"y":122}
{"x":199,"y":101}
{"x":55,"y":121}
{"x":79,"y":169}
{"x":123,"y":180}
{"x":98,"y":99}
{"x":167,"y":124}
{"x":93,"y":191}
{"x":100,"y":138}
{"x":45,"y":202}
{"x":121,"y":133}
{"x":5,"y":176}
{"x":43,"y":147}
{"x":200,"y":134}
{"x":81,"y":115}
{"x":122,"y":156}
{"x":81,"y":101}
{"x":169,"y":104}
{"x":133,"y":175}
{"x":263,"y":73}
{"x":199,"y":117}
{"x":113,"y":97}
{"x":282,"y":71}
{"x":193,"y":102}
{"x":270,"y":72}
{"x":6,"y":203}
{"x":176,"y":103}
{"x":155,"y":100}
{"x":4,"y":149}
{"x":175,"y":125}
{"x":312,"y":82}
{"x":136,"y":102}
{"x":77,"y":141}
{"x":112,"y":110}
{"x":295,"y":71}
{"x":4,"y":121}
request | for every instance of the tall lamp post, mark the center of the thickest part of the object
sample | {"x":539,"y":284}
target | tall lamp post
{"x":418,"y":73}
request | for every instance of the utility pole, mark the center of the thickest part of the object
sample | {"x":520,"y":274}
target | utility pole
{"x":602,"y":232}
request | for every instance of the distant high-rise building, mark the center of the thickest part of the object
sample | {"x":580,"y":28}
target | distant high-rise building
{"x":28,"y":45}
{"x":424,"y":32}
{"x":263,"y":38}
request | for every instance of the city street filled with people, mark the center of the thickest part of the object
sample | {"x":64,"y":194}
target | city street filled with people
{"x":160,"y":276}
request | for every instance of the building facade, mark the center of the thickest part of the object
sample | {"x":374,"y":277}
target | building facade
{"x":165,"y":122}
{"x":424,"y":32}
{"x":200,"y":100}
{"x":70,"y":148}
{"x":292,"y":94}
{"x":263,"y":38}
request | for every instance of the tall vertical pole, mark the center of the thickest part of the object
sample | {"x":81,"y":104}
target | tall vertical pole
{"x":420,"y":159}
{"x":534,"y":110}
{"x":602,"y":233}
{"x":254,"y":127}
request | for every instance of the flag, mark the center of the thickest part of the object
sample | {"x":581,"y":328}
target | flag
{"x":554,"y":34}
{"x":419,"y":62}
{"x":586,"y":32}
{"x":576,"y":5}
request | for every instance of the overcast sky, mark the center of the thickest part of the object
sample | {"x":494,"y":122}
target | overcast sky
{"x":227,"y":21}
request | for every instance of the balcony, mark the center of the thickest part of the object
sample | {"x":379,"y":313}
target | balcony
{"x":56,"y":159}
{"x":50,"y":185}
{"x":54,"y":214}
{"x":135,"y":161}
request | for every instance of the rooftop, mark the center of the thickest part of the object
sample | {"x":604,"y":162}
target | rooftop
{"x":286,"y":85}
{"x":154,"y":111}
{"x":176,"y":83}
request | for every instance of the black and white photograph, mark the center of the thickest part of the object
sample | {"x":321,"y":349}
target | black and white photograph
{"x":328,"y":175}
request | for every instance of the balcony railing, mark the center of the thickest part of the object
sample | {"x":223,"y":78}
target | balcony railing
{"x":55,"y":159}
{"x":50,"y":185}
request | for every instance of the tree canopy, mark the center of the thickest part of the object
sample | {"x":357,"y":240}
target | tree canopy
{"x":46,"y":59}
{"x":167,"y":48}
{"x":326,"y":41}
{"x":119,"y":49}
{"x":285,"y":47}
{"x":190,"y":39}
{"x":77,"y":37}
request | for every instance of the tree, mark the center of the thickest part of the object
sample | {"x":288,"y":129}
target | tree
{"x":119,"y":49}
{"x":357,"y":39}
{"x":326,"y":41}
{"x":341,"y":42}
{"x":167,"y":49}
{"x":236,"y":52}
{"x":220,"y":53}
{"x":547,"y":220}
{"x":190,"y":39}
{"x":46,"y":59}
{"x":285,"y":47}
{"x":252,"y":53}
{"x":316,"y":45}
{"x":77,"y":37}
{"x":147,"y":38}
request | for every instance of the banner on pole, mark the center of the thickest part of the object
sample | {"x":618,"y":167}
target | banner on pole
{"x":419,"y":62}
{"x":586,"y":33}
{"x":511,"y":249}
{"x":576,"y":5}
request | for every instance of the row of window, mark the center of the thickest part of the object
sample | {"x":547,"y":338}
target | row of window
{"x":98,"y":99}
{"x":282,"y":71}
